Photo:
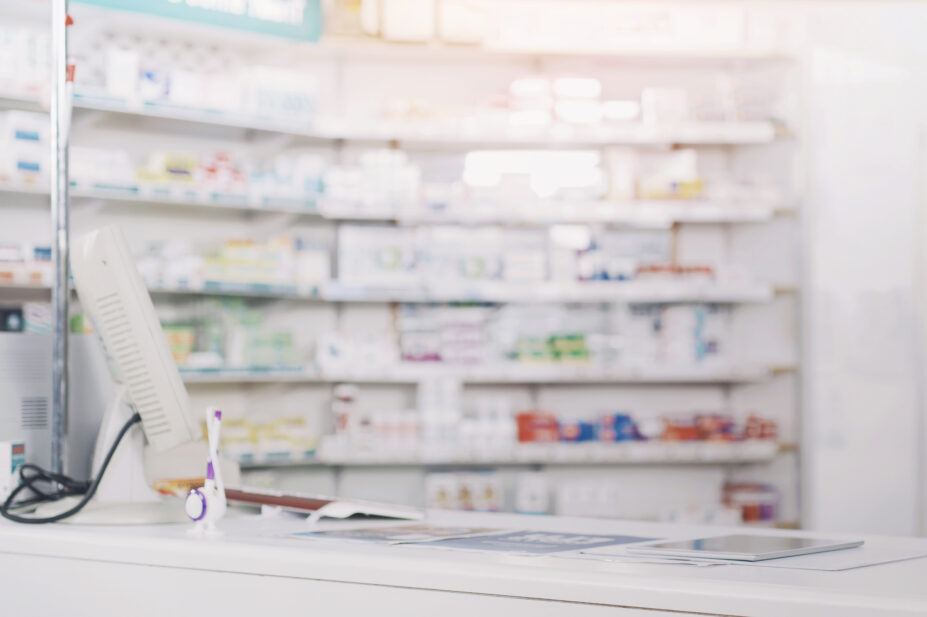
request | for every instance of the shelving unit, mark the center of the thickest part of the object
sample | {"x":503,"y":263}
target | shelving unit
{"x":515,"y":374}
{"x":707,"y":228}
{"x":641,"y":214}
{"x":346,"y":48}
{"x":538,"y":455}
{"x":593,"y":292}
{"x":336,"y":129}
{"x":582,"y":293}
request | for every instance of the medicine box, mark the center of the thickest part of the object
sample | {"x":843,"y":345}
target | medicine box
{"x":12,"y":457}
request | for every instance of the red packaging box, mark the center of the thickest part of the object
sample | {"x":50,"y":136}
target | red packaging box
{"x":537,"y":426}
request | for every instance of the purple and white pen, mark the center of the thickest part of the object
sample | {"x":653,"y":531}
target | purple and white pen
{"x":207,"y":505}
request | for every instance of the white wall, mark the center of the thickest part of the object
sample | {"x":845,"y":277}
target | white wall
{"x":862,"y":462}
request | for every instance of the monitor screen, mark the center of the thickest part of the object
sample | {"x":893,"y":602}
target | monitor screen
{"x":116,"y":300}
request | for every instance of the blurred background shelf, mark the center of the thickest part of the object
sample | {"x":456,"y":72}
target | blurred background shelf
{"x":592,"y":292}
{"x":554,"y":374}
{"x":581,"y":293}
{"x":641,"y":214}
{"x":668,"y":164}
{"x":196,"y":200}
{"x":654,"y":214}
{"x":358,"y":48}
{"x":559,"y":454}
{"x":245,"y":290}
{"x":720,"y":133}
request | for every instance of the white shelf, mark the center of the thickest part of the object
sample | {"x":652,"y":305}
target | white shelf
{"x":197,"y":199}
{"x":581,"y":293}
{"x":513,"y":373}
{"x":350,"y":48}
{"x":452,"y":134}
{"x":634,"y":292}
{"x":24,"y":291}
{"x":276,"y":459}
{"x":24,"y":190}
{"x":447,"y":134}
{"x":182,"y":199}
{"x":563,"y":454}
{"x":347,"y":47}
{"x":641,"y":214}
{"x":224,"y":376}
{"x":720,"y":133}
{"x":644,"y":292}
{"x":245,"y":290}
{"x":14,"y":100}
{"x":652,"y":214}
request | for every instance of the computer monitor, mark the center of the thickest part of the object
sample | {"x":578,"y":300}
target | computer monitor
{"x":114,"y":297}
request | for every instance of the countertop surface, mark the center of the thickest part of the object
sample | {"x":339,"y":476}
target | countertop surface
{"x":263,"y":546}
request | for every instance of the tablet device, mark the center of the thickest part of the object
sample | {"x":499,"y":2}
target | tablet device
{"x":742,"y":547}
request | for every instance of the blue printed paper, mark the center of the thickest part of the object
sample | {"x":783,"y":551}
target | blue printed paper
{"x":535,"y":542}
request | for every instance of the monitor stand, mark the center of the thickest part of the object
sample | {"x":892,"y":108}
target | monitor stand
{"x":124,"y":496}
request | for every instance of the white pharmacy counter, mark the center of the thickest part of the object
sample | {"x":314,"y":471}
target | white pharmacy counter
{"x":256,"y":569}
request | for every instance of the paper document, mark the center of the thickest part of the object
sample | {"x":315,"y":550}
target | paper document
{"x":831,"y":561}
{"x":846,"y":559}
{"x":629,"y":558}
{"x":533,"y":542}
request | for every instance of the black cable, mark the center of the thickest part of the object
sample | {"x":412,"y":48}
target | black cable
{"x":64,"y":486}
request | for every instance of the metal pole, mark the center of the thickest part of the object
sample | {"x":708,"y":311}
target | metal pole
{"x":60,"y":128}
